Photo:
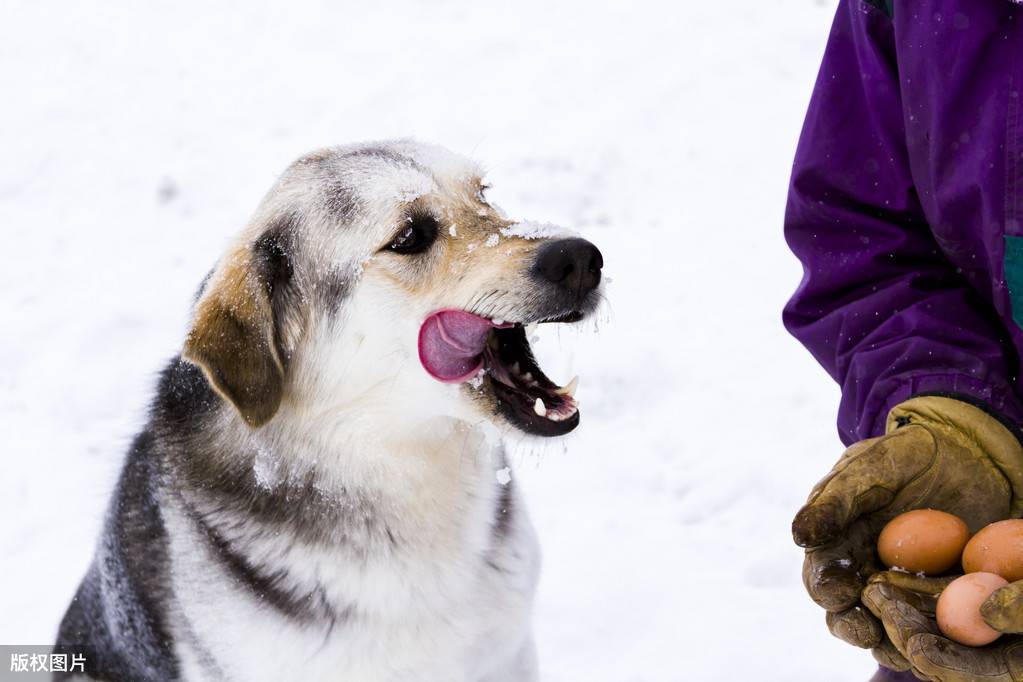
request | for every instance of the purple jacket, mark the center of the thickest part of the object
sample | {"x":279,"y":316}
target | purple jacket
{"x":906,"y":207}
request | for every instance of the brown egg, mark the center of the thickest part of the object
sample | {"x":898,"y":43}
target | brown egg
{"x":998,"y":549}
{"x":958,"y":610}
{"x":924,"y":541}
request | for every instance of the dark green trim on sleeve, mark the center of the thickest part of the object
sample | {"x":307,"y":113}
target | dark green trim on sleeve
{"x":1014,"y":275}
{"x":886,"y":6}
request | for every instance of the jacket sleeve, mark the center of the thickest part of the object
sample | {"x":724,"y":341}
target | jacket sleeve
{"x":880,"y":306}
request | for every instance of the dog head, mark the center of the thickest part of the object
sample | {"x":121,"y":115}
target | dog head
{"x":379,"y":278}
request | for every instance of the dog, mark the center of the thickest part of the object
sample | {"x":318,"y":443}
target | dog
{"x":321,"y":489}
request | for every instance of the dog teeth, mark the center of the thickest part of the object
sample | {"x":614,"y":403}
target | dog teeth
{"x":569,"y":388}
{"x":563,"y":414}
{"x":530,"y":330}
{"x":540,"y":408}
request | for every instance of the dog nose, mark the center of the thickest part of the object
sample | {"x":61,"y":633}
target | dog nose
{"x":572,"y":264}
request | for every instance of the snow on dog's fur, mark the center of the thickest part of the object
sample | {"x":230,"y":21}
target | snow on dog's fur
{"x":316,"y":495}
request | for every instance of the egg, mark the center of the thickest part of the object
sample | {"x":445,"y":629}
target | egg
{"x":958,"y":610}
{"x":997,"y":548}
{"x":924,"y":541}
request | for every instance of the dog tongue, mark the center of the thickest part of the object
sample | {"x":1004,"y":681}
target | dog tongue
{"x":451,"y":344}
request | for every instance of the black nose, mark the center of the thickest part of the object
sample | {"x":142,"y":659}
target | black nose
{"x":572,"y":264}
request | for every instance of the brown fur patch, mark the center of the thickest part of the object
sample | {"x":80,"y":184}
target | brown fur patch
{"x":231,"y":339}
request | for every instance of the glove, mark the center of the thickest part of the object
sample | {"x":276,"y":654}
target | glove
{"x":937,"y":453}
{"x":905,"y":606}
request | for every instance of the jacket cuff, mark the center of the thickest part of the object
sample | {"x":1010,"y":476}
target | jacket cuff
{"x":1002,"y":418}
{"x":966,"y":388}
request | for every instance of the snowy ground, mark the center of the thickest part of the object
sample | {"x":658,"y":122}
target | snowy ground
{"x":135,"y":138}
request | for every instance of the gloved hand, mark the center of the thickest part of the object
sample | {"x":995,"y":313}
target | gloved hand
{"x":937,"y":453}
{"x":905,"y":605}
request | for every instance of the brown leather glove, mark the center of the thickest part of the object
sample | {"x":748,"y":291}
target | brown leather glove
{"x":905,"y":606}
{"x":937,"y":453}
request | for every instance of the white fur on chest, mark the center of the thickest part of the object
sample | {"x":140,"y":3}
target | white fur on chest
{"x":442,"y":597}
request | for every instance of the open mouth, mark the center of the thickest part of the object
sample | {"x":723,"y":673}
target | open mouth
{"x":455,"y":345}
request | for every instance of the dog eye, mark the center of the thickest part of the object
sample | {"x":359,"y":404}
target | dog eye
{"x":416,"y":236}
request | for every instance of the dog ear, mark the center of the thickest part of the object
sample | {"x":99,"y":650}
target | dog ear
{"x":232,"y":337}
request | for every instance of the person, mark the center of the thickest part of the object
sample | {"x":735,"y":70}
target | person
{"x":905,"y":207}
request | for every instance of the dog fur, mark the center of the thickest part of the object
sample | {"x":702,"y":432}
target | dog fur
{"x":306,"y":502}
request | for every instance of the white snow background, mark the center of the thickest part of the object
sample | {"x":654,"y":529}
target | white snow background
{"x":137,"y":138}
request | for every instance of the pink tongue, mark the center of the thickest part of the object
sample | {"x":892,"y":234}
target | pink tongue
{"x":451,"y":344}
